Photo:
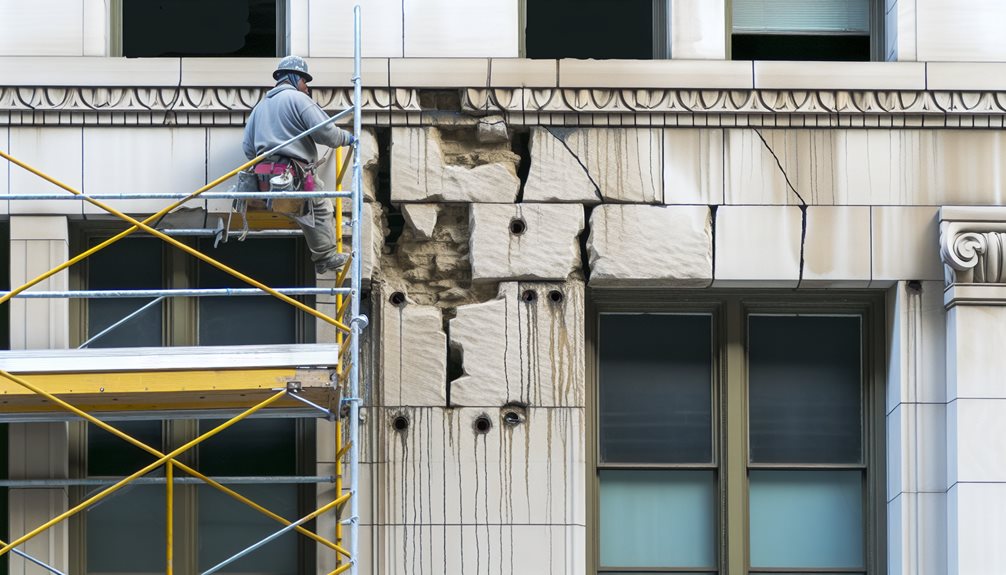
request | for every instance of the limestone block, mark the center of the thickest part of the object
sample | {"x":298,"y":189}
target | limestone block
{"x":837,"y":247}
{"x":525,"y":466}
{"x":758,"y":246}
{"x":412,"y":352}
{"x":430,"y":164}
{"x":524,"y":346}
{"x":492,"y":130}
{"x":490,"y":549}
{"x":368,"y":162}
{"x":422,"y":218}
{"x":594,"y":164}
{"x":665,"y":246}
{"x":525,"y":241}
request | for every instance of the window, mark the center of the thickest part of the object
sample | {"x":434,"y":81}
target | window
{"x":188,"y":28}
{"x":209,"y":525}
{"x":149,"y":263}
{"x":803,"y":30}
{"x":738,"y":435}
{"x":622,"y":29}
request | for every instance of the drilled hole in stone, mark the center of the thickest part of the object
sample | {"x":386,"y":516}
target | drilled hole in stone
{"x":400,"y":423}
{"x":397,"y":298}
{"x":482,"y":424}
{"x":555,"y":296}
{"x":528,"y":296}
{"x":511,"y":418}
{"x":518,"y":226}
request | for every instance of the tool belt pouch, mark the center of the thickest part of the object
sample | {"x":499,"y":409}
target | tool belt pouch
{"x":247,"y":182}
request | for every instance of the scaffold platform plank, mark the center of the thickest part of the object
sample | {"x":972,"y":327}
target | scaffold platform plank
{"x":166,"y":378}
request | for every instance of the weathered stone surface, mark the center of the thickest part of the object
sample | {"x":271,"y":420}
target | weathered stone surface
{"x":431,"y":164}
{"x":492,"y":130}
{"x":524,"y":346}
{"x":663,"y":246}
{"x":499,"y":475}
{"x":368,"y":162}
{"x":373,"y":230}
{"x":422,"y":218}
{"x":594,"y":164}
{"x":525,"y":241}
{"x":412,"y":352}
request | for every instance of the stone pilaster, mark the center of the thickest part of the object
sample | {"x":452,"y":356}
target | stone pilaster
{"x":972,"y":249}
{"x":38,"y":450}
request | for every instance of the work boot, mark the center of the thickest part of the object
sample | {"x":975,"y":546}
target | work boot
{"x":333,"y":262}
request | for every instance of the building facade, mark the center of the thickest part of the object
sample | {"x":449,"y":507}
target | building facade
{"x":697,"y":286}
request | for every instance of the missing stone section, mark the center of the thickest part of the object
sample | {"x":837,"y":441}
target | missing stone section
{"x":397,"y":299}
{"x":482,"y":424}
{"x":529,"y":296}
{"x":400,"y":423}
{"x":555,"y":296}
{"x":518,"y":226}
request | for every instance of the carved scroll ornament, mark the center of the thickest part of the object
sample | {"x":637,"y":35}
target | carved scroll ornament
{"x":973,"y":256}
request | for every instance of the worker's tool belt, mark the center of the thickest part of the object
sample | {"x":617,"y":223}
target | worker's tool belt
{"x":280,"y":174}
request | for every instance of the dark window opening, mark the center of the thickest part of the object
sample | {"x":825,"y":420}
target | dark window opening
{"x":835,"y":48}
{"x":5,"y":285}
{"x":596,"y":29}
{"x":174,"y":28}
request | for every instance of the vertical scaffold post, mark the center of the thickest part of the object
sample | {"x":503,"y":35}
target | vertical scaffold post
{"x":357,"y":323}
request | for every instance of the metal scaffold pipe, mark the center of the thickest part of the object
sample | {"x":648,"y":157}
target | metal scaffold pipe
{"x":357,"y":323}
{"x":179,"y":196}
{"x":178,"y":292}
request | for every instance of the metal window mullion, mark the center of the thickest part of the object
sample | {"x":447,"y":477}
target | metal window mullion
{"x":734,"y":488}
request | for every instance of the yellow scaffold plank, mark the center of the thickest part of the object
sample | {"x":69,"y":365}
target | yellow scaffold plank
{"x":165,"y":390}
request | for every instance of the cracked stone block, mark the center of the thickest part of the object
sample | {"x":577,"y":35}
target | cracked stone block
{"x":412,"y":351}
{"x":373,"y":232}
{"x":422,"y":218}
{"x":503,"y":464}
{"x":368,"y":162}
{"x":591,"y":165}
{"x":493,"y":130}
{"x":441,"y":165}
{"x":525,"y":241}
{"x":657,"y":246}
{"x":524,"y":346}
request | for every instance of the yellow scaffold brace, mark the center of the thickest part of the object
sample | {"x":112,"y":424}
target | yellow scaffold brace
{"x":162,"y":457}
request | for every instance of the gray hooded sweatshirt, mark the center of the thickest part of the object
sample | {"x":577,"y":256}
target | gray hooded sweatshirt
{"x":281,"y":115}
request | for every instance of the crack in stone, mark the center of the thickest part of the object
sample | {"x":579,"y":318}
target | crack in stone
{"x":803,"y":203}
{"x":586,"y":172}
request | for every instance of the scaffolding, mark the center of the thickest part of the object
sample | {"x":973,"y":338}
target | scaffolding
{"x":81,"y":392}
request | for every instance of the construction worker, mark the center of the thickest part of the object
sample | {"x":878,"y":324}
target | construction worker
{"x":288,"y":110}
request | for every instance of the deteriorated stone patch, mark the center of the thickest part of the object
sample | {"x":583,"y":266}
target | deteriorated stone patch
{"x":590,"y":165}
{"x":435,"y":270}
{"x":525,"y":346}
{"x":451,"y":165}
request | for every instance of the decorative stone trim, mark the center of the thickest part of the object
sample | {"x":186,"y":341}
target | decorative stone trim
{"x":526,"y":106}
{"x":973,"y":250}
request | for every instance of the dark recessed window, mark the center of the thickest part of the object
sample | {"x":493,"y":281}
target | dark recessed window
{"x":162,"y":28}
{"x":836,"y":30}
{"x":599,"y":29}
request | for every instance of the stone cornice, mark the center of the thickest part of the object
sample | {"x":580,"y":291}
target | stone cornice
{"x":522,"y":106}
{"x":973,"y":250}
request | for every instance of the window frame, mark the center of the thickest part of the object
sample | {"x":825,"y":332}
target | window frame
{"x":730,"y":310}
{"x":115,"y":26}
{"x":177,"y":432}
{"x":661,"y":29}
{"x":878,"y":30}
{"x":180,"y":321}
